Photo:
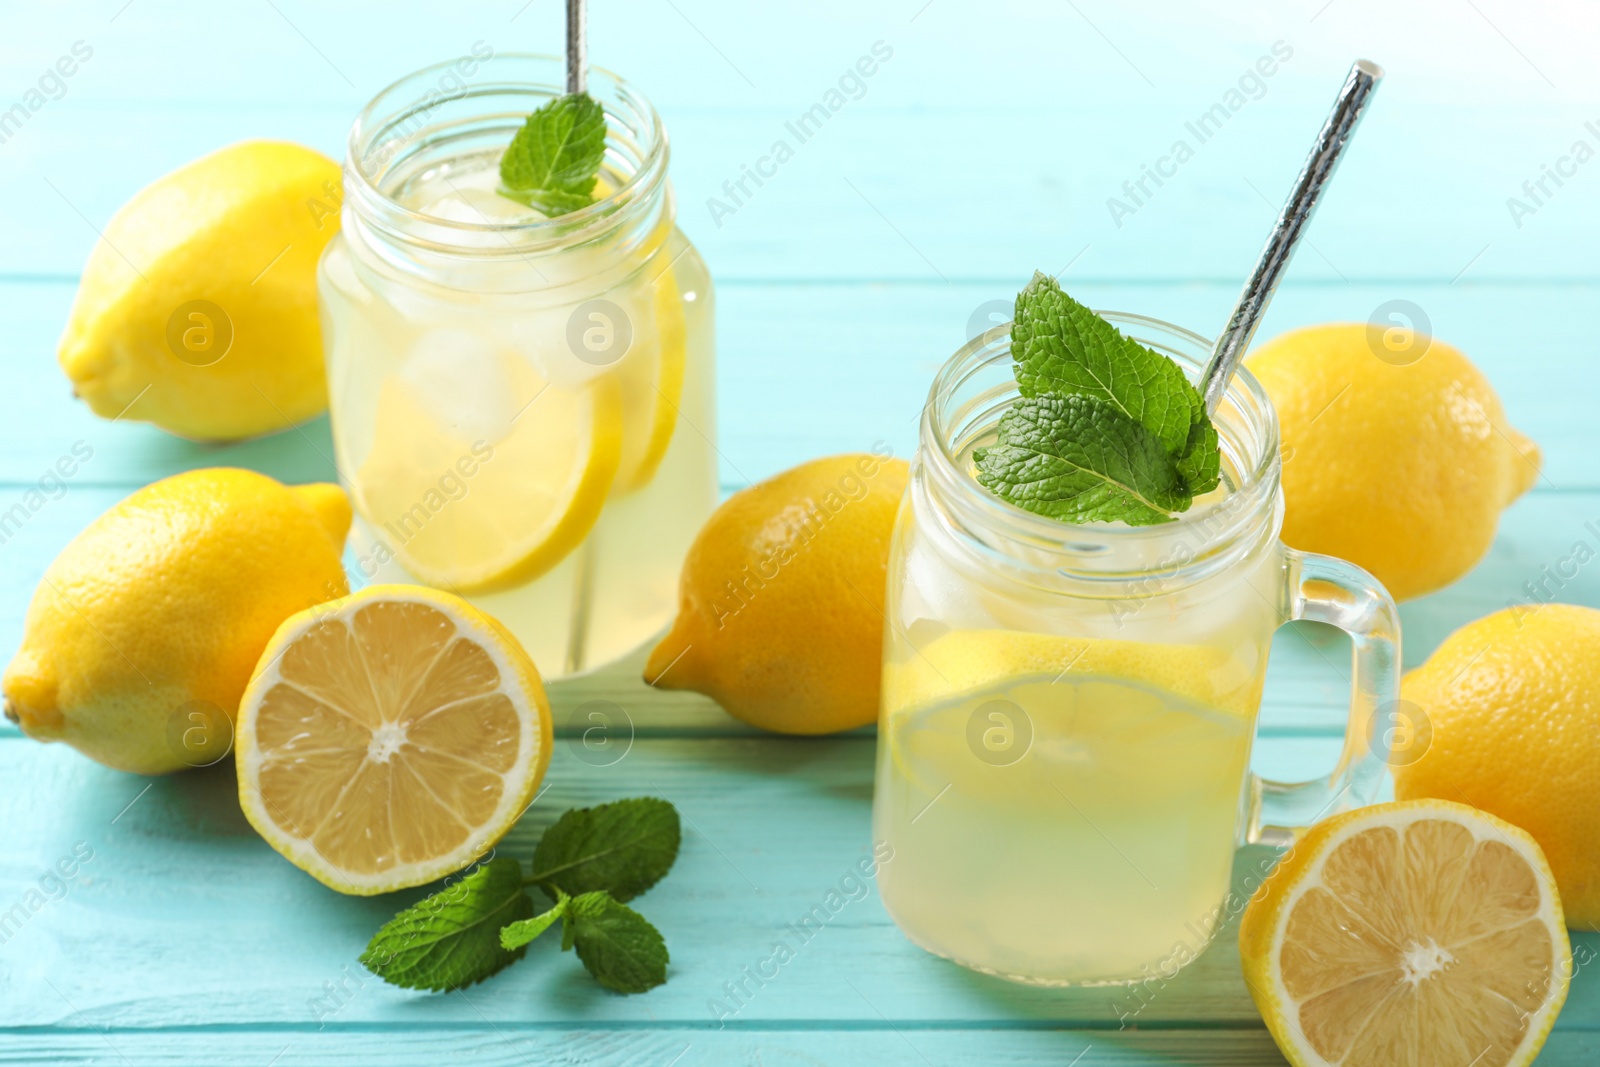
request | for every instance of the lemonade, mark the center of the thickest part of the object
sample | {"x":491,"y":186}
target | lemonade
{"x":1065,"y":809}
{"x":522,"y":407}
{"x":1068,"y":709}
{"x":1104,"y":849}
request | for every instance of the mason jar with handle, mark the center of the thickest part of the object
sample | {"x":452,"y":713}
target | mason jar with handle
{"x":1068,"y":711}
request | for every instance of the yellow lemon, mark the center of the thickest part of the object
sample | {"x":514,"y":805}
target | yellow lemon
{"x":143,"y":633}
{"x":1505,"y":716}
{"x":780,"y":616}
{"x":1412,"y":933}
{"x":1396,"y":452}
{"x":390,"y":738}
{"x":197,"y":310}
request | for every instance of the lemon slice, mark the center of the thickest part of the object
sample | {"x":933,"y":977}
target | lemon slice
{"x":390,"y":738}
{"x":1124,"y":742}
{"x":1135,"y":705}
{"x":485,"y":493}
{"x":966,"y":660}
{"x":652,"y":387}
{"x":1419,"y":932}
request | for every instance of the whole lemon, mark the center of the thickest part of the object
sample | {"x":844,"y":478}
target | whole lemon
{"x":780,"y":616}
{"x":1396,"y":452}
{"x":144,"y":631}
{"x":198,"y":307}
{"x":1506,"y":717}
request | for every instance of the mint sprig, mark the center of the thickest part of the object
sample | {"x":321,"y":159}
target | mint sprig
{"x":1079,"y":459}
{"x":554,"y":160}
{"x":1105,"y":429}
{"x":1062,"y":347}
{"x":484,"y":923}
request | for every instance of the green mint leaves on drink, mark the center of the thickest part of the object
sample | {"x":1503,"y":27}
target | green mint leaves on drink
{"x":1079,"y":459}
{"x":590,"y":861}
{"x":554,"y":159}
{"x":1104,"y":430}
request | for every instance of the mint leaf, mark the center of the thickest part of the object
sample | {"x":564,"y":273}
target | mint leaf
{"x":1105,"y":430}
{"x":1201,"y":462}
{"x":452,"y":939}
{"x":624,"y":848}
{"x":616,"y":944}
{"x":569,"y":929}
{"x":520,"y":933}
{"x":1081,"y":459}
{"x":1061,"y":346}
{"x":554,"y":159}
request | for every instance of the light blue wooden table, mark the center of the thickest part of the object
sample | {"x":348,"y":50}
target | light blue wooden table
{"x":987,"y":146}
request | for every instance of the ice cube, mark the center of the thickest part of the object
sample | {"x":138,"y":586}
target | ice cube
{"x":463,"y":379}
{"x":481,"y":206}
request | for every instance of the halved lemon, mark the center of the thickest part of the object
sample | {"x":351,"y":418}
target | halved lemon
{"x":1411,"y":933}
{"x":479,"y":506}
{"x":390,"y":738}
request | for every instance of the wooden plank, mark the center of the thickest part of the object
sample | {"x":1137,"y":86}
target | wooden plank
{"x":976,"y":177}
{"x":845,"y":208}
{"x":236,"y":936}
{"x":236,"y":939}
{"x":805,"y":370}
{"x":1307,"y":685}
{"x":859,"y":383}
{"x":1033,"y":55}
{"x":889,"y":1045}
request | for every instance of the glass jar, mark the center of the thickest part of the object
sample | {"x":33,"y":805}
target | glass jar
{"x":522,"y":406}
{"x":1064,"y":745}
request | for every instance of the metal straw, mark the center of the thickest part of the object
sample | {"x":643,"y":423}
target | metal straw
{"x":577,"y":47}
{"x":1292,"y":220}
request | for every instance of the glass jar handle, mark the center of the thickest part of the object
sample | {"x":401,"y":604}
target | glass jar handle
{"x":1325,"y":589}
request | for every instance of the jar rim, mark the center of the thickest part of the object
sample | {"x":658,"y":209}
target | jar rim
{"x":1246,"y":420}
{"x":417,"y":95}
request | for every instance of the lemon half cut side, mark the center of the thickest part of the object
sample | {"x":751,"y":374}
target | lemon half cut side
{"x":1412,"y":933}
{"x":390,"y":738}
